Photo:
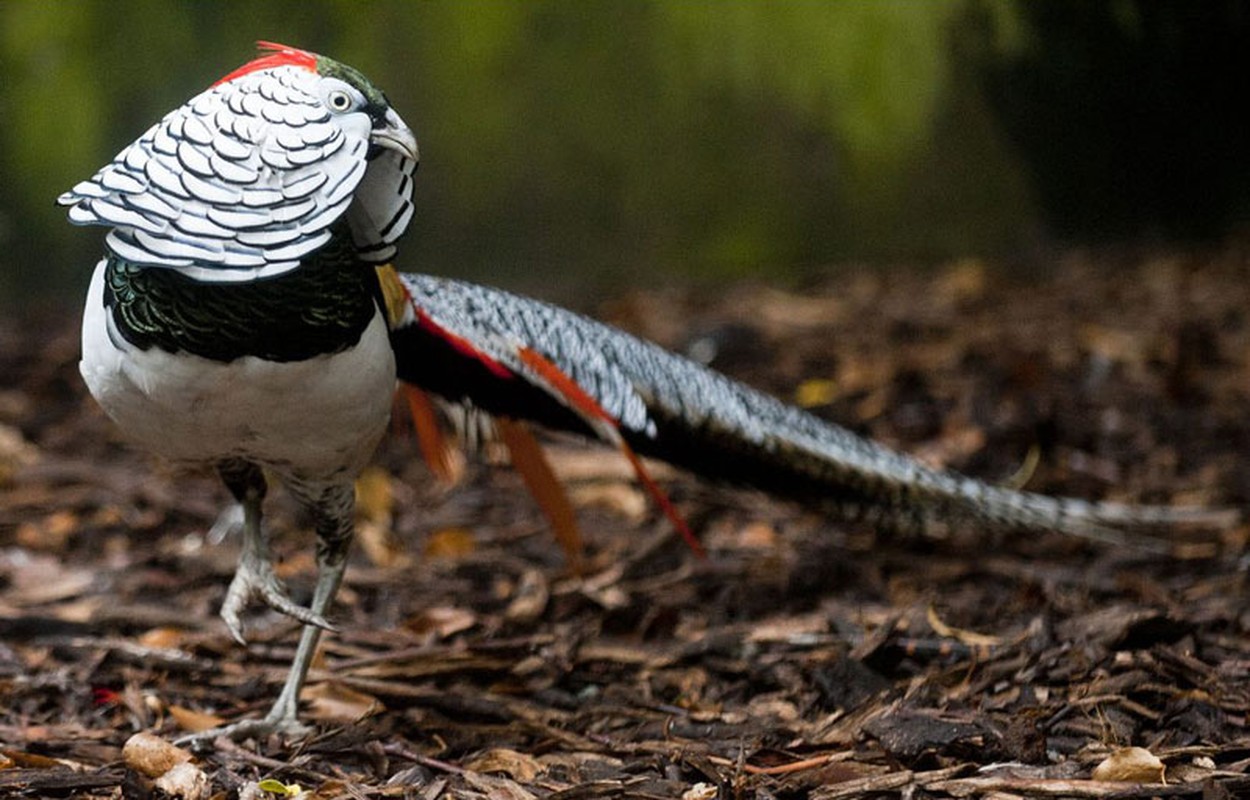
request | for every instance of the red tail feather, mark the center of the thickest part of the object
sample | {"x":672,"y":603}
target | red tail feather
{"x":587,"y":405}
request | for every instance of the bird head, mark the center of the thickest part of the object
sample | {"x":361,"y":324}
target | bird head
{"x":254,"y":174}
{"x":344,"y":93}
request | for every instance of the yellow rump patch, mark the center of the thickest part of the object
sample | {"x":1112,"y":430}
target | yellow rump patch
{"x":394,"y":295}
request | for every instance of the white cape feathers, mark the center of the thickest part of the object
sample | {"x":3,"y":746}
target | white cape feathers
{"x":245,"y":180}
{"x":383,"y":206}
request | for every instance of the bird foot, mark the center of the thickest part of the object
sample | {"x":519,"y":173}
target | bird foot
{"x":286,"y":726}
{"x":255,"y":578}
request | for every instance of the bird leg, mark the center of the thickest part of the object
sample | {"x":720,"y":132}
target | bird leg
{"x":333,"y":510}
{"x":284,"y":715}
{"x":254,"y":577}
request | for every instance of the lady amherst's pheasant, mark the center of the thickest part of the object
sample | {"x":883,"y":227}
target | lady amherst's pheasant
{"x":245,"y":316}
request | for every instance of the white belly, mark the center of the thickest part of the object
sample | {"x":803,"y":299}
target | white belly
{"x":319,"y":418}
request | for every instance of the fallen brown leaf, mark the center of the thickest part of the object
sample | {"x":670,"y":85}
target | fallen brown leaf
{"x":1130,"y":765}
{"x":518,"y":766}
{"x":151,"y":755}
{"x":194,"y":721}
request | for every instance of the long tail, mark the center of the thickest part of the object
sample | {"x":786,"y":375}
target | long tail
{"x":498,"y":351}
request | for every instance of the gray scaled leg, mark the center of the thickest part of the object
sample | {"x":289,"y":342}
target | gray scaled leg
{"x":254,"y":577}
{"x":333,"y":508}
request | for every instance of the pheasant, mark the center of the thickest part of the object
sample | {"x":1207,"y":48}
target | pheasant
{"x":246,"y":316}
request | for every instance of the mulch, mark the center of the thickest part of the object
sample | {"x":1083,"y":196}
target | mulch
{"x":804,"y":657}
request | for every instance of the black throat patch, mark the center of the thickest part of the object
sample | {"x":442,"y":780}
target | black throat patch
{"x":322,"y":306}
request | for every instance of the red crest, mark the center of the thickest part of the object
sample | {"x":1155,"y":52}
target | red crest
{"x":276,"y":55}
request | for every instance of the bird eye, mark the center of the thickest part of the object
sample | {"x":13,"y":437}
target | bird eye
{"x":340,"y":101}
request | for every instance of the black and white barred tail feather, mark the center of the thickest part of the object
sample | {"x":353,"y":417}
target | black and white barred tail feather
{"x":467,"y":343}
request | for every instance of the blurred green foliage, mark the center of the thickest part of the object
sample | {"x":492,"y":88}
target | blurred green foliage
{"x":568,"y":144}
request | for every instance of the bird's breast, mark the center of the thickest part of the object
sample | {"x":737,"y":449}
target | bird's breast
{"x":314,"y":417}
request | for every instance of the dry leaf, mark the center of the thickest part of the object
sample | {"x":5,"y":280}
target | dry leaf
{"x":621,"y":498}
{"x":333,"y":702}
{"x":164,"y":638}
{"x":194,"y":721}
{"x":374,"y":498}
{"x":757,"y":536}
{"x":608,"y":597}
{"x":375,"y":503}
{"x":39,"y":579}
{"x":775,"y":707}
{"x":185,"y":781}
{"x":450,"y":543}
{"x":970,"y":638}
{"x":382,"y":547}
{"x":1130,"y":765}
{"x":789,"y":628}
{"x":151,"y":755}
{"x":32,"y":760}
{"x":580,"y":464}
{"x":443,"y":621}
{"x":602,"y":587}
{"x":107,"y":517}
{"x":50,"y":533}
{"x":517,"y":766}
{"x":816,"y":392}
{"x":582,"y":761}
{"x":493,"y":787}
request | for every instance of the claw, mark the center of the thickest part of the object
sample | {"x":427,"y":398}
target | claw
{"x":283,"y":717}
{"x":255,"y":578}
{"x":270,"y":724}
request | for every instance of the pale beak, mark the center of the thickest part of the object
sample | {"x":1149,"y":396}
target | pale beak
{"x":395,"y":135}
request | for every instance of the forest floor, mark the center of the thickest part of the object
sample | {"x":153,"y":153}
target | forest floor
{"x":804,"y":657}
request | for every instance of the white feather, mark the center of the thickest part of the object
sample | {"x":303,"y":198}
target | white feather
{"x":383,"y":206}
{"x":192,"y":409}
{"x":262,"y":145}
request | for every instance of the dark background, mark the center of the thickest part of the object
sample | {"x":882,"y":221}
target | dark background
{"x":570,"y":148}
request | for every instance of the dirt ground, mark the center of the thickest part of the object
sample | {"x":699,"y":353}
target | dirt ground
{"x":804,"y":657}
